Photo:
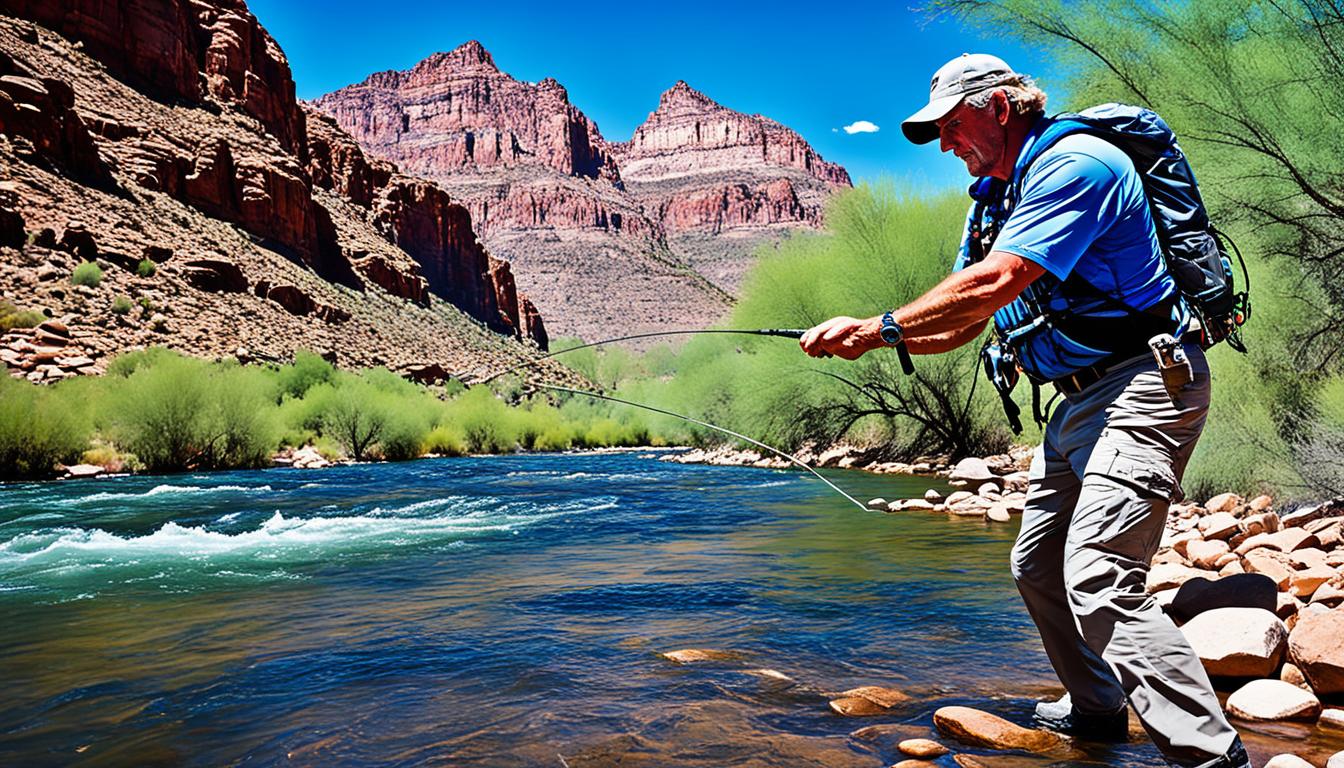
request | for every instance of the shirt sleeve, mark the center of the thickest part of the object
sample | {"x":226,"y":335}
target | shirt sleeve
{"x":964,"y":250}
{"x":1068,"y":200}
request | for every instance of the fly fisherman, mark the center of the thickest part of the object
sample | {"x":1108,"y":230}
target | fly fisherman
{"x":1073,"y":234}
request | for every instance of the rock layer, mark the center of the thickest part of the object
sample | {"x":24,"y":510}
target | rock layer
{"x":600,"y":253}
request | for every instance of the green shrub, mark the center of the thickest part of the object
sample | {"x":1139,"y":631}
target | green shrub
{"x":403,"y":438}
{"x":444,"y":440}
{"x":353,"y":413}
{"x":12,"y":317}
{"x":146,"y":268}
{"x":37,"y":430}
{"x":486,"y":422}
{"x":307,"y":370}
{"x":87,"y":273}
{"x":121,"y":305}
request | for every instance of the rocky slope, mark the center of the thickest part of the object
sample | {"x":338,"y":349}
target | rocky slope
{"x":719,"y":182}
{"x":602,"y":253}
{"x":168,"y":132}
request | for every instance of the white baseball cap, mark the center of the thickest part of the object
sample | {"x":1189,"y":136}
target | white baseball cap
{"x":964,"y":75}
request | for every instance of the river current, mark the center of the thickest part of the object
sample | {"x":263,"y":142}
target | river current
{"x":499,"y":611}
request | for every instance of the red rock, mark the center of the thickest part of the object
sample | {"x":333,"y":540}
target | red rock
{"x":981,"y":729}
{"x":1314,"y":646}
{"x":215,"y":275}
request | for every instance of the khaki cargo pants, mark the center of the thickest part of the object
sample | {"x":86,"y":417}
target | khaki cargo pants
{"x":1100,"y":486}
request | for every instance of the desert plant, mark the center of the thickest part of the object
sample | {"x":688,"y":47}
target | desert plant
{"x":307,"y":370}
{"x":37,"y":430}
{"x":146,"y":268}
{"x":121,"y":305}
{"x":12,"y":317}
{"x":88,"y":274}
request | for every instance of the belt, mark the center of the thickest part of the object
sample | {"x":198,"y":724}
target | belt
{"x":1083,"y":378}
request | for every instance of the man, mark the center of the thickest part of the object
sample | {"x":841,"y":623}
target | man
{"x":1070,"y":235}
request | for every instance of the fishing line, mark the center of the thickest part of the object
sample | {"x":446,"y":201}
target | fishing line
{"x":707,"y":425}
{"x":787,"y":333}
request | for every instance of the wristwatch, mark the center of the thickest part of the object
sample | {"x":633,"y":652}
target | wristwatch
{"x":891,"y":332}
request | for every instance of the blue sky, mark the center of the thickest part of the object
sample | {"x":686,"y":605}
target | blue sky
{"x":814,"y":67}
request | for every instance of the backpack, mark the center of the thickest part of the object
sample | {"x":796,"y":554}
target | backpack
{"x":1194,"y":250}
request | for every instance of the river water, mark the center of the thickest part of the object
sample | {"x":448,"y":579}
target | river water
{"x":500,"y":611}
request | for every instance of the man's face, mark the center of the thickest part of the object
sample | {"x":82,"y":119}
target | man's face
{"x":974,"y":135}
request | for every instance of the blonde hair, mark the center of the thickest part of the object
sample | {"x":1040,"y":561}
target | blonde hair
{"x":1021,"y":91}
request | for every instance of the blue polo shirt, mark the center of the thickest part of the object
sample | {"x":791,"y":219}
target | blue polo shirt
{"x":1081,"y":210}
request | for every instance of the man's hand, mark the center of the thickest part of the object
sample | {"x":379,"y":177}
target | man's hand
{"x":846,"y":337}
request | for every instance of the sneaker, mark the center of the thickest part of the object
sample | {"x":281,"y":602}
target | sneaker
{"x":1061,"y":717}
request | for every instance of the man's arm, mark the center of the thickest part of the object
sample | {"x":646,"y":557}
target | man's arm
{"x":960,"y":302}
{"x":945,"y":342}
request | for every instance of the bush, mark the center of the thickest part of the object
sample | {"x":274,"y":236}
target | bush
{"x":12,"y":317}
{"x":146,"y":268}
{"x":485,"y":421}
{"x":307,"y":370}
{"x":37,"y":430}
{"x":121,"y":305}
{"x":87,"y":273}
{"x":353,"y":413}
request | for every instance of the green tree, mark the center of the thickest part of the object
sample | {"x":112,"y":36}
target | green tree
{"x":37,"y":429}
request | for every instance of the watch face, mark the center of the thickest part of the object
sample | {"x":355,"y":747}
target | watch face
{"x":891,"y":335}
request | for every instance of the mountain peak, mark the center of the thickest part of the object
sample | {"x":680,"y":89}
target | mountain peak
{"x":683,"y":95}
{"x":468,"y":56}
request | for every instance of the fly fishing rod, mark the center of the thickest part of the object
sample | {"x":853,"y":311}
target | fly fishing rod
{"x":787,"y":333}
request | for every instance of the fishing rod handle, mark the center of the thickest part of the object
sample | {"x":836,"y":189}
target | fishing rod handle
{"x":788,"y":333}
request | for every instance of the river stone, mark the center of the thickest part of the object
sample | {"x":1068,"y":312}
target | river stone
{"x":1168,"y":575}
{"x":1293,"y":676}
{"x":691,"y":655}
{"x":966,"y":761}
{"x":1269,"y":563}
{"x":879,"y":504}
{"x":932,"y":496}
{"x":917,"y":505}
{"x":1336,"y":761}
{"x":84,"y":470}
{"x":1315,"y":647}
{"x":1233,"y":568}
{"x":1204,"y":554}
{"x":972,"y":470}
{"x":1273,"y":700}
{"x":1237,"y":642}
{"x":1219,"y":525}
{"x":1331,"y":718}
{"x":1310,"y":557}
{"x":922,"y":748}
{"x":883,"y":697}
{"x":981,"y":729}
{"x":856,"y":706}
{"x":1265,"y":522}
{"x":1249,"y":590}
{"x":1305,"y":582}
{"x":1328,"y":594}
{"x":999,"y":513}
{"x":1287,"y":761}
{"x":1223,"y":502}
{"x":914,"y":764}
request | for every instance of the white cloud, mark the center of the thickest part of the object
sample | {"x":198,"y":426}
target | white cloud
{"x":861,"y":126}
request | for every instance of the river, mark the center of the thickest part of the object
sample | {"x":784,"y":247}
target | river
{"x":497,"y":611}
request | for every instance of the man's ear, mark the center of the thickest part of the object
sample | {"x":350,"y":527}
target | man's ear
{"x":1003,"y":106}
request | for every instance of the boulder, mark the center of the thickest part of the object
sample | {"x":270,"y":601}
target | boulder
{"x":1237,"y":642}
{"x":1250,"y":590}
{"x":1315,"y":647}
{"x":932,"y":496}
{"x":916,"y":505}
{"x":879,"y":504}
{"x":1304,"y":583}
{"x":1300,"y":517}
{"x":999,"y":513}
{"x":1260,"y":503}
{"x":1219,"y":525}
{"x":972,"y":470}
{"x":1336,"y":761}
{"x":1269,"y":563}
{"x":1205,"y":554}
{"x":1328,"y":594}
{"x":1293,"y":676}
{"x":956,"y":497}
{"x":215,"y":275}
{"x":1265,"y":522}
{"x":1287,"y":761}
{"x":1223,"y":502}
{"x":1170,"y":575}
{"x":1273,"y":700}
{"x":867,"y":700}
{"x":981,"y":729}
{"x":1307,"y":558}
{"x":926,"y":748}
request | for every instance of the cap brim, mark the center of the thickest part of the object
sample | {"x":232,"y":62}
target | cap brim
{"x":919,"y":128}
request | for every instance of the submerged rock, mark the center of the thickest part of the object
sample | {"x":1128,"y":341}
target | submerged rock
{"x":691,"y":655}
{"x":981,"y":729}
{"x":867,"y":700}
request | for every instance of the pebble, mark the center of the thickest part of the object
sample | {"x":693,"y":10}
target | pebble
{"x":922,"y":748}
{"x":691,"y":655}
{"x":1331,"y":718}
